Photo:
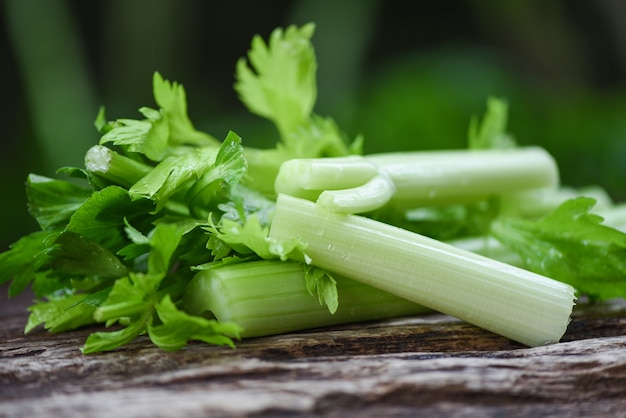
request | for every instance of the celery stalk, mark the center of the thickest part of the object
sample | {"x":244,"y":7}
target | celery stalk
{"x":308,"y":177}
{"x":270,"y":297}
{"x":515,"y":303}
{"x":365,"y":198}
{"x":416,"y":178}
{"x":451,"y":176}
{"x":115,"y":167}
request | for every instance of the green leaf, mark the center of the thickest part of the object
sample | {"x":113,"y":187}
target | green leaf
{"x":52,"y":202}
{"x":228,"y":168}
{"x":130,"y":134}
{"x":219,"y":249}
{"x":162,"y":130}
{"x":491,"y":131}
{"x":446,"y":222}
{"x":571,"y":245}
{"x":74,"y":255}
{"x":320,"y":137}
{"x":280,"y":82}
{"x":155,"y":144}
{"x":60,"y":315}
{"x":172,"y":99}
{"x":163,"y":243}
{"x":177,"y":328}
{"x":173,"y":175}
{"x":252,"y":238}
{"x":277,"y":82}
{"x":24,"y":258}
{"x":140,"y":244}
{"x":105,"y":341}
{"x":319,"y":282}
{"x":101,"y":123}
{"x":131,"y":296}
{"x":102,"y":218}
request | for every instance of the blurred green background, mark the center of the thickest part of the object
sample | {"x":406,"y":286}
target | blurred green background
{"x":406,"y":75}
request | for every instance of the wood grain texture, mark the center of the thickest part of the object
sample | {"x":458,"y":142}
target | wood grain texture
{"x":433,"y":365}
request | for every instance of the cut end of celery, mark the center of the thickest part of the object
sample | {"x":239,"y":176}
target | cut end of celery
{"x":200,"y":298}
{"x":98,"y":159}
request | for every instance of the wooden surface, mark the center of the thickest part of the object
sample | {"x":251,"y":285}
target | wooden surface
{"x":424,"y":366}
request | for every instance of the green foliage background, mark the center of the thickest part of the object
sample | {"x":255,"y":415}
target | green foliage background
{"x":405,"y":75}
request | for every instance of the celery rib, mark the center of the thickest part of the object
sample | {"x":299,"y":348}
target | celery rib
{"x":416,"y":178}
{"x":365,"y":198}
{"x":435,"y":177}
{"x":512,"y":302}
{"x":270,"y":297}
{"x":115,"y":167}
{"x":308,"y":177}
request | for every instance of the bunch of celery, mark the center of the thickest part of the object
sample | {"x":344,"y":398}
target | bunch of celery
{"x":170,"y":232}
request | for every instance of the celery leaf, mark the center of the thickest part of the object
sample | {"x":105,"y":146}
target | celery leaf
{"x":570,"y":245}
{"x":252,"y":237}
{"x":104,"y":341}
{"x":279,"y":82}
{"x":491,"y":132}
{"x":103,"y":216}
{"x":319,"y":282}
{"x":176,"y":328}
{"x":76,"y":255}
{"x":172,"y":99}
{"x":52,"y":202}
{"x":163,"y":130}
{"x":228,"y":168}
{"x":24,"y":258}
{"x":60,"y":315}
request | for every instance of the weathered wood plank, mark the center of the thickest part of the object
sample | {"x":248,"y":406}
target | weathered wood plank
{"x":424,"y":366}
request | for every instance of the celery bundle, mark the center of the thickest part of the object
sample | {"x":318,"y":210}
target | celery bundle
{"x":171,"y":232}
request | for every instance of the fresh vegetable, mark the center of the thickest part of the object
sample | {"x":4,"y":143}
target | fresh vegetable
{"x":171,"y":233}
{"x":413,"y":179}
{"x":272,"y":296}
{"x":516,"y":303}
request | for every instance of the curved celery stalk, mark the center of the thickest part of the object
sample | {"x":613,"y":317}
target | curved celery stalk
{"x":439,"y":177}
{"x":308,"y":177}
{"x":504,"y":299}
{"x":416,"y":178}
{"x":270,"y":297}
{"x":365,"y":198}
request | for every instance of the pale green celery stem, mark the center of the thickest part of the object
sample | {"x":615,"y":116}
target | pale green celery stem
{"x":365,"y":198}
{"x":114,"y":167}
{"x":308,"y":177}
{"x":270,"y":297}
{"x":453,"y":176}
{"x":263,"y":167}
{"x":504,"y":299}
